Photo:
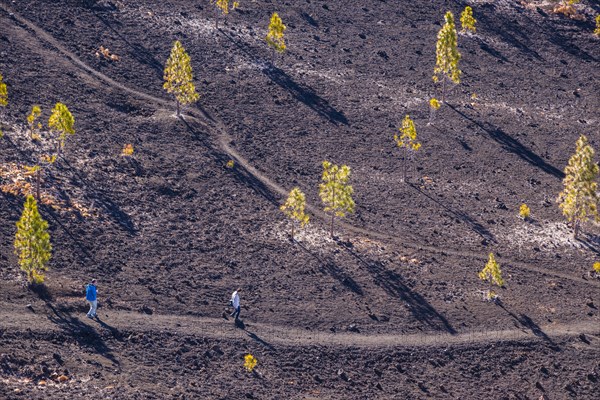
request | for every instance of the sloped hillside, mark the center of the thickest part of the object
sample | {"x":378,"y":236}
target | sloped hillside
{"x":392,"y":306}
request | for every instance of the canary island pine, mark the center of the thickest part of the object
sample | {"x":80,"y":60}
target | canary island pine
{"x":447,"y":55}
{"x":524,"y":211}
{"x":61,"y":122}
{"x":293,"y":208}
{"x":250,"y":362}
{"x":274,"y":37}
{"x":3,"y":92}
{"x":597,"y":267}
{"x":178,"y":77}
{"x":467,"y":21}
{"x":34,"y":125}
{"x":596,"y":31}
{"x":407,"y":139}
{"x":335,"y":192}
{"x":3,"y":97}
{"x":492,"y":274}
{"x":223,"y":6}
{"x":579,"y":198}
{"x":32,"y":242}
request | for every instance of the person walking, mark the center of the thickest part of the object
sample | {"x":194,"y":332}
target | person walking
{"x":91,"y":295}
{"x":235,"y":303}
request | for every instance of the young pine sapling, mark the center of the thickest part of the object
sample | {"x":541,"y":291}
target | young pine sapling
{"x":293,"y":208}
{"x":579,"y":198}
{"x":447,"y":55}
{"x":407,"y":139}
{"x":335,"y":192}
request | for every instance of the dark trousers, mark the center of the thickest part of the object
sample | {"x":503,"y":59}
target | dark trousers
{"x":236,"y":313}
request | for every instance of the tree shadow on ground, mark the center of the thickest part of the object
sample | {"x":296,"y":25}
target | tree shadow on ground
{"x":100,"y":198}
{"x":526,"y":322}
{"x":329,"y":267}
{"x":590,"y":242}
{"x":394,"y":285}
{"x":300,"y":91}
{"x":474,"y":225}
{"x":240,"y":173}
{"x":83,"y":334}
{"x":507,"y":30}
{"x":512,"y":145}
{"x":260,"y":341}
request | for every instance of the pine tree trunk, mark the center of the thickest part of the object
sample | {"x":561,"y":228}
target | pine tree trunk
{"x":444,"y":89}
{"x":332,"y":216}
{"x":404,"y":167}
{"x":38,"y":180}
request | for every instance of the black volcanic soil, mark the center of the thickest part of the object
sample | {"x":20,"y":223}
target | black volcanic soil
{"x":390,"y":308}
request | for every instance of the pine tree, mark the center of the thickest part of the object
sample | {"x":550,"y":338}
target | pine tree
{"x":335,"y":192}
{"x":32,"y":242}
{"x":61,"y":122}
{"x":223,"y":5}
{"x":579,"y":198}
{"x":447,"y":55}
{"x":3,"y":93}
{"x":178,"y":77}
{"x":293,"y":208}
{"x":407,"y":139}
{"x":597,"y":30}
{"x":34,"y":126}
{"x":274,"y":37}
{"x":492,"y":273}
{"x":467,"y":21}
{"x":3,"y":98}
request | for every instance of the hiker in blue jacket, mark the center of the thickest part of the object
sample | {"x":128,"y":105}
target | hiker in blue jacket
{"x":91,"y":297}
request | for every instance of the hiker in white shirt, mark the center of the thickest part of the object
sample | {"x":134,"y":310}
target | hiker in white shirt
{"x":235,"y":303}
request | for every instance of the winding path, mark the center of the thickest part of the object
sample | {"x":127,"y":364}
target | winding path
{"x":271,"y":336}
{"x":224,"y":140}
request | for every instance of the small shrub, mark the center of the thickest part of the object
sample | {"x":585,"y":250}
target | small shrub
{"x":230,"y":164}
{"x":597,"y":267}
{"x":524,"y":211}
{"x":127,"y":150}
{"x":434,"y":103}
{"x":597,"y":31}
{"x":250,"y":362}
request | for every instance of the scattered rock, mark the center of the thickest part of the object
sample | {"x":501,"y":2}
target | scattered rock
{"x":42,"y":383}
{"x":353,"y":328}
{"x":342,"y":375}
{"x":584,"y":338}
{"x":30,"y":307}
{"x":317,"y":378}
{"x":147,"y":310}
